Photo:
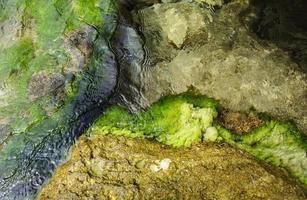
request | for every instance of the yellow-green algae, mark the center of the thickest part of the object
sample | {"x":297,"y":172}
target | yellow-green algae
{"x":184,"y":119}
{"x":278,"y":143}
{"x":177,"y":121}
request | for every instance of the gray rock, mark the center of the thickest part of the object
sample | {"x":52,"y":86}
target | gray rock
{"x":222,"y":59}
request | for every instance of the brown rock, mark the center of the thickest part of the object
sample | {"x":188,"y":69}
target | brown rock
{"x":239,"y":122}
{"x":104,"y":167}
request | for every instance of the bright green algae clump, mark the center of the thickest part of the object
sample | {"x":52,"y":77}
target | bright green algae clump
{"x":184,"y":119}
{"x":278,"y":143}
{"x":177,"y":121}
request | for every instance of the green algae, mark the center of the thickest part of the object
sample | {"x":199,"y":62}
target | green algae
{"x":182,"y":120}
{"x":277,"y":143}
{"x":177,"y":120}
{"x":40,"y":46}
{"x":16,"y":58}
{"x":35,"y":139}
{"x":42,"y":50}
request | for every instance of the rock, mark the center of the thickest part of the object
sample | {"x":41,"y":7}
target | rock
{"x":290,"y":31}
{"x":222,"y":59}
{"x":57,"y":71}
{"x":105,"y":167}
{"x":43,"y":83}
{"x":50,"y":85}
{"x":211,"y":3}
{"x":63,"y":47}
{"x":79,"y":44}
{"x":239,"y":122}
{"x":12,"y":26}
{"x":169,"y":27}
{"x":185,"y":119}
{"x":211,"y":134}
{"x":140,"y":2}
{"x":176,"y":27}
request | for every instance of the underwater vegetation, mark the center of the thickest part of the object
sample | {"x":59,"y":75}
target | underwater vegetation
{"x":41,"y":48}
{"x":61,"y":61}
{"x":178,"y":121}
{"x":47,"y":100}
{"x":184,"y":119}
{"x":275,"y":142}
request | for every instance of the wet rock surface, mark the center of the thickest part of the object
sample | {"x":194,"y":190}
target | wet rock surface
{"x":105,"y":167}
{"x":238,"y":122}
{"x":50,"y":85}
{"x":283,"y":23}
{"x":221,"y":58}
{"x":54,"y":82}
{"x":55,"y":79}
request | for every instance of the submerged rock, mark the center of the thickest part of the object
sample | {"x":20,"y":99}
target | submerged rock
{"x":55,"y":82}
{"x":185,"y":119}
{"x":283,"y":23}
{"x":56,"y":77}
{"x":47,"y":85}
{"x":107,"y":167}
{"x":239,"y":122}
{"x":218,"y":55}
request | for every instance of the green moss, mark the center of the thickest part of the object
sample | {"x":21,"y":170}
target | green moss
{"x":82,"y":12}
{"x":16,"y":58}
{"x":184,"y":119}
{"x":45,"y":26}
{"x":176,"y":120}
{"x":278,"y":143}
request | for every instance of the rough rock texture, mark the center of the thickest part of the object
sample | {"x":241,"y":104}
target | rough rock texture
{"x":222,"y":59}
{"x":104,"y":167}
{"x":52,"y":85}
{"x":238,"y":122}
{"x":57,"y":71}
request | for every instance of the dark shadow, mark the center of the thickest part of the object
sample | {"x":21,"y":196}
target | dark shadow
{"x":281,"y":22}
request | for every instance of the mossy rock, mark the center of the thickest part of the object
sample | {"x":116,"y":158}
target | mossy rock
{"x":184,"y":119}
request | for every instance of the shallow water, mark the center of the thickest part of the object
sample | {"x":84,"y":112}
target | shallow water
{"x":28,"y":159}
{"x":23,"y":172}
{"x":55,"y":85}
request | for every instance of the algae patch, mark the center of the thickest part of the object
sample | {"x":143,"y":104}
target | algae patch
{"x":40,"y":46}
{"x":177,"y":121}
{"x":43,"y":99}
{"x":184,"y":119}
{"x":277,"y":143}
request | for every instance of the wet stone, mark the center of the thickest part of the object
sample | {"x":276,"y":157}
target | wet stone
{"x":222,"y":59}
{"x":63,"y":73}
{"x":239,"y":122}
{"x":204,"y":171}
{"x":79,"y":44}
{"x":50,"y":86}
